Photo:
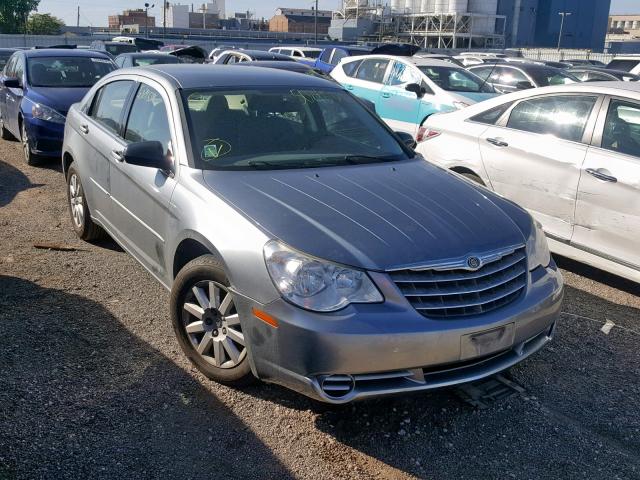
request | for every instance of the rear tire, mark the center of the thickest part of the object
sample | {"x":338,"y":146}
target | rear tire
{"x":210,"y":331}
{"x":81,"y":221}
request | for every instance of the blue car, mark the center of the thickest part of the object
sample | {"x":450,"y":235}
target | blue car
{"x":37,"y":88}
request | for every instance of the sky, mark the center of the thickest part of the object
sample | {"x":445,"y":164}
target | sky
{"x":96,"y":15}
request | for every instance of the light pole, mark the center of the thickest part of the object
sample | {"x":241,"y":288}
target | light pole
{"x":562,"y":15}
{"x":146,"y":18}
{"x":315,"y":23}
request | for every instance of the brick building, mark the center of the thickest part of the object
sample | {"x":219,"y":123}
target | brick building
{"x":131,"y":17}
{"x":299,"y":20}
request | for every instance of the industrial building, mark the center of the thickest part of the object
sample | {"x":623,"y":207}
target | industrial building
{"x":203,"y":15}
{"x":300,"y":20}
{"x":137,"y":17}
{"x":475,"y":23}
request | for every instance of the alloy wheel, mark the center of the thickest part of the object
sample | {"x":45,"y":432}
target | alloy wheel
{"x":212,"y":324}
{"x":76,"y":200}
{"x":25,"y":144}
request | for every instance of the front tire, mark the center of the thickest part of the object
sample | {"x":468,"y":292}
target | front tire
{"x":206,"y":322}
{"x":81,"y":221}
{"x":29,"y":157}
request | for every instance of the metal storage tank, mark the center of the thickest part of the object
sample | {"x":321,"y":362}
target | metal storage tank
{"x":411,"y":6}
{"x":489,"y":7}
{"x":457,"y":6}
{"x":427,"y":6}
{"x":397,"y":6}
{"x":440,"y":6}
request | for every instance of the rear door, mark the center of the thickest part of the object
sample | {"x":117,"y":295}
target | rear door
{"x":398,"y":107}
{"x":141,"y":195}
{"x":368,"y":80}
{"x":608,"y":206}
{"x":323,"y":61}
{"x":534,"y":155}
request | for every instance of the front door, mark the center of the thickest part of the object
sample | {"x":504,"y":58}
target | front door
{"x":608,"y":207}
{"x":141,"y":195}
{"x":368,"y":80}
{"x":398,"y":107}
{"x":14,"y":97}
{"x":534,"y":159}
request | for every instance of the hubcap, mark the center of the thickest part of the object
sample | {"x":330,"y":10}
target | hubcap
{"x":75,"y":201}
{"x":212,"y":324}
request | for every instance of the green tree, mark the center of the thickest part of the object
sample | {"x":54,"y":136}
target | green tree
{"x":43,"y":24}
{"x":13,"y":14}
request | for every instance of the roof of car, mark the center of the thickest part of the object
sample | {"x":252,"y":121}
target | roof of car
{"x":418,"y":61}
{"x":145,"y":55}
{"x":201,"y":76}
{"x":257,"y":53}
{"x":64,"y":52}
{"x":593,"y":68}
{"x":292,"y":66}
{"x":298,"y":47}
{"x":529,"y":67}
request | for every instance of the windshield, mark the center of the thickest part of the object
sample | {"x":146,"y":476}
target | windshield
{"x":118,"y":48}
{"x":284,"y":127}
{"x":545,"y":77}
{"x":144,"y":61}
{"x":455,"y":79}
{"x":67,"y":71}
{"x":625,"y":65}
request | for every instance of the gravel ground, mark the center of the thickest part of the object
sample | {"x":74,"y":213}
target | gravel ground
{"x":92,"y":382}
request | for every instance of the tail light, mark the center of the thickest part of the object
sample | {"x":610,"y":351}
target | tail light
{"x":425,"y":133}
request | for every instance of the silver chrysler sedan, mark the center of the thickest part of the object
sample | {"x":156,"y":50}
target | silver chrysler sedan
{"x":302,"y":241}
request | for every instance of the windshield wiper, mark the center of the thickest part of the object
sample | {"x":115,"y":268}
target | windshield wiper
{"x":358,"y":159}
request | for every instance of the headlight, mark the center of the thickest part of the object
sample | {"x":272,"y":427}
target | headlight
{"x":43,"y":112}
{"x":316,"y":284}
{"x":460,"y":105}
{"x":537,"y":248}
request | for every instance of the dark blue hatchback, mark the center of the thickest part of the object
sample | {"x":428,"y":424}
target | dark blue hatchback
{"x":37,"y":88}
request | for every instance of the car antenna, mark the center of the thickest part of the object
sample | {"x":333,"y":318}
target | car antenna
{"x":484,"y":82}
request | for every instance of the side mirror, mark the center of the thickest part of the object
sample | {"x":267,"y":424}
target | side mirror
{"x":524,"y":85}
{"x":407,"y":139}
{"x":147,"y":154}
{"x":415,"y":88}
{"x":11,"y":83}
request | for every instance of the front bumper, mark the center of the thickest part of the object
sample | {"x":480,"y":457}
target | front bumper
{"x":45,"y":138}
{"x":378,"y":349}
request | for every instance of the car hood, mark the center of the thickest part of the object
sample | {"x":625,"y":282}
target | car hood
{"x":378,"y":216}
{"x":60,"y":99}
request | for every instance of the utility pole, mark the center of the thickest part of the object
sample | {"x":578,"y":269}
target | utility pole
{"x":315,"y":23}
{"x":562,"y":15}
{"x":78,"y":17}
{"x":146,"y":18}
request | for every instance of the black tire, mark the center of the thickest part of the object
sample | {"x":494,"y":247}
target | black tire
{"x":30,"y":158}
{"x":4,"y":133}
{"x":84,"y":226}
{"x":473,"y":177}
{"x":202,"y":271}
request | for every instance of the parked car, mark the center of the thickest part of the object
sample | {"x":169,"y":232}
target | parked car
{"x":585,"y":63}
{"x":331,"y":56}
{"x":548,"y":63}
{"x":628,"y":63}
{"x":143,"y":44}
{"x":237,"y":56}
{"x":36,"y":90}
{"x":143,"y":59}
{"x":440,"y":56}
{"x":301,"y":240}
{"x":213,"y":55}
{"x":468,"y":60}
{"x":594,"y":74}
{"x":512,"y":77}
{"x":113,"y":49}
{"x":186,"y":53}
{"x":569,"y":154}
{"x":406,"y":90}
{"x":306,"y":55}
{"x":5,"y":53}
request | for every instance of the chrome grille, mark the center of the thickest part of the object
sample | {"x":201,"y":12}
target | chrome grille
{"x":458,"y":292}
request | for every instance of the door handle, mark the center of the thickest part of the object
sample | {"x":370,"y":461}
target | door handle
{"x":117,"y":155}
{"x":386,"y":95}
{"x":497,"y":142}
{"x":601,"y":176}
{"x":84,"y":128}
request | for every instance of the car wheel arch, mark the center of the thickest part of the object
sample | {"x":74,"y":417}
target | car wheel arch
{"x":67,"y":160}
{"x":468,"y":172}
{"x":190,"y":246}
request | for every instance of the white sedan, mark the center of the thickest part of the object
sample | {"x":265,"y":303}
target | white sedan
{"x":569,"y":154}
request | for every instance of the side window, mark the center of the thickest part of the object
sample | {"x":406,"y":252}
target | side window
{"x":326,"y":55}
{"x":510,"y":76}
{"x":350,"y":68}
{"x":148,"y":119}
{"x":297,"y":53}
{"x":286,"y":51}
{"x":119,"y":62}
{"x":9,"y":67}
{"x":108,"y":104}
{"x":18,"y":69}
{"x":338,"y":54}
{"x":222,"y":58}
{"x":231,"y":59}
{"x":563,"y":116}
{"x":372,"y":70}
{"x":622,"y":128}
{"x":490,"y":117}
{"x":402,"y":74}
{"x":482,"y":72}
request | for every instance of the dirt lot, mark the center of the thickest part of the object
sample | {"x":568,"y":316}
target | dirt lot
{"x":92,"y":383}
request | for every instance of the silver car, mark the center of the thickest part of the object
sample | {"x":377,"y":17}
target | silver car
{"x":570,"y":155}
{"x":302,"y":241}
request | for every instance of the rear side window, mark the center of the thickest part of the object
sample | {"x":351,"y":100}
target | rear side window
{"x":372,"y":70}
{"x":326,"y":55}
{"x":350,"y":68}
{"x":338,"y":55}
{"x":490,"y":117}
{"x":626,"y":65}
{"x":297,"y":53}
{"x":563,"y":116}
{"x":109,"y":103}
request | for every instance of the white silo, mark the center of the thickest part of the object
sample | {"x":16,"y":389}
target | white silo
{"x":397,"y":6}
{"x":440,"y":6}
{"x":488,"y":7}
{"x":427,"y":6}
{"x":457,"y":6}
{"x":411,"y":6}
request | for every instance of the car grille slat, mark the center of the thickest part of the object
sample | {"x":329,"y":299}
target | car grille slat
{"x":457,"y":292}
